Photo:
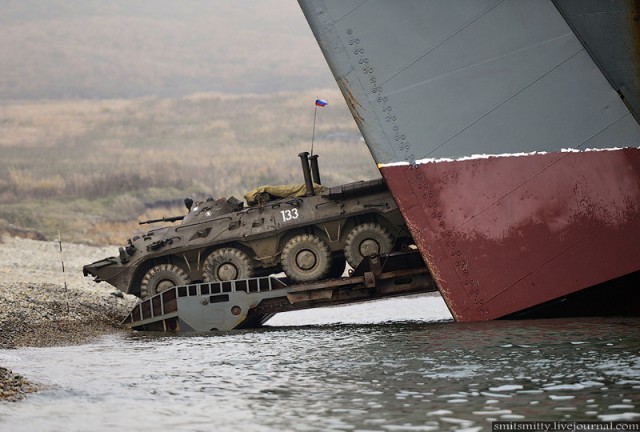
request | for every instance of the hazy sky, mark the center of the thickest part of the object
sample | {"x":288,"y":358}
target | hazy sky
{"x":57,"y":49}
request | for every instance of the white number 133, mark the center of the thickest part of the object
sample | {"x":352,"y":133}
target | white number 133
{"x":287,"y":215}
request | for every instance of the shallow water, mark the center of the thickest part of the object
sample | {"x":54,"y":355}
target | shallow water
{"x":371,"y":374}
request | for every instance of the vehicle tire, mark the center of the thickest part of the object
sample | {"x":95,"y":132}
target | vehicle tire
{"x":227,"y":264}
{"x":160,"y":278}
{"x":365,"y":240}
{"x":306,"y":258}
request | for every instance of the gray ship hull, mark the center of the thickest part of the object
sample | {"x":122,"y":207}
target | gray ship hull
{"x":507,"y":132}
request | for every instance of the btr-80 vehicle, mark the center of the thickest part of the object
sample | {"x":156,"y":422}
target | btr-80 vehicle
{"x":308,"y":232}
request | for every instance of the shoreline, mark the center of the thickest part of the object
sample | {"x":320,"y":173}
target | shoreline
{"x":44,"y":315}
{"x":40,"y":306}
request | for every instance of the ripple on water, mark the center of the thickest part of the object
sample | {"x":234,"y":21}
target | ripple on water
{"x":496,"y":395}
{"x":508,"y":387}
{"x":358,"y":377}
{"x":626,"y":416}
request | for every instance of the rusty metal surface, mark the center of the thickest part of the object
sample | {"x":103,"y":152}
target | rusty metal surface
{"x":504,"y":234}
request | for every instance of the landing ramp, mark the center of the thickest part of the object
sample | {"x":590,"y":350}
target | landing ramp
{"x":249,"y":303}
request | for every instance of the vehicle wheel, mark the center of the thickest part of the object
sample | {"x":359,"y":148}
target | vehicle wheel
{"x":306,"y":258}
{"x":365,"y":240}
{"x":227,"y":264}
{"x":160,"y":278}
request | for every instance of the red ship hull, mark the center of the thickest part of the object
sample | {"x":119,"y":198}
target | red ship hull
{"x":504,"y":234}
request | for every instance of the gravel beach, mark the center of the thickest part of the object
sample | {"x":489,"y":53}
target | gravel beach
{"x":42,"y":306}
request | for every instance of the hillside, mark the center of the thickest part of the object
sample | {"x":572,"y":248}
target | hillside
{"x":113,"y":112}
{"x":93,"y":168}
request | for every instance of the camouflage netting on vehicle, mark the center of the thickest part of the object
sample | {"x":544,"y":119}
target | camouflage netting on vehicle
{"x":267,"y":193}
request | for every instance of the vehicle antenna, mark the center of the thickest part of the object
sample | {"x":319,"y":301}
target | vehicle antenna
{"x":64,"y":276}
{"x":319,"y":103}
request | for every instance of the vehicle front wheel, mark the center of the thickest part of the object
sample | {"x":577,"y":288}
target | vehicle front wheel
{"x":306,"y":258}
{"x":227,"y":264}
{"x":160,"y":278}
{"x":365,"y":240}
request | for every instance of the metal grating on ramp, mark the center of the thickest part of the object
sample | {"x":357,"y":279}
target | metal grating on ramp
{"x":248,"y":303}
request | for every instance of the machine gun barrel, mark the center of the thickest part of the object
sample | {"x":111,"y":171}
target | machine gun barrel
{"x":163,"y":219}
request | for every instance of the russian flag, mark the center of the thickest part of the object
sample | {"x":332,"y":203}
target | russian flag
{"x":321,"y":102}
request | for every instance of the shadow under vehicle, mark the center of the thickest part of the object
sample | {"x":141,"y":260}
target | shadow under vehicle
{"x":307,"y":231}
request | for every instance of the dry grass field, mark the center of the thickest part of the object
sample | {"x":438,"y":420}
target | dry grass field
{"x":91,"y":169}
{"x":112,"y":112}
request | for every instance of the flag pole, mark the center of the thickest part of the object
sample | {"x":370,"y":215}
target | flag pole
{"x":64,"y":276}
{"x":319,"y":103}
{"x":313,"y":134}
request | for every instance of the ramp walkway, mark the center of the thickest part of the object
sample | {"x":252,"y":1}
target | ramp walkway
{"x":249,"y":303}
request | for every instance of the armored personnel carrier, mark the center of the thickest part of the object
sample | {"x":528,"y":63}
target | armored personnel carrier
{"x":308,"y":232}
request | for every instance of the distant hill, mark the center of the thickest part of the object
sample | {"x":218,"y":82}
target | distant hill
{"x":90,"y":49}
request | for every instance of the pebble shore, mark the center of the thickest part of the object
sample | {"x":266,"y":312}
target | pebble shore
{"x":40,"y":305}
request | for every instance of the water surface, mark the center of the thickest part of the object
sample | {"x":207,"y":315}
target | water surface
{"x":373,"y":372}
